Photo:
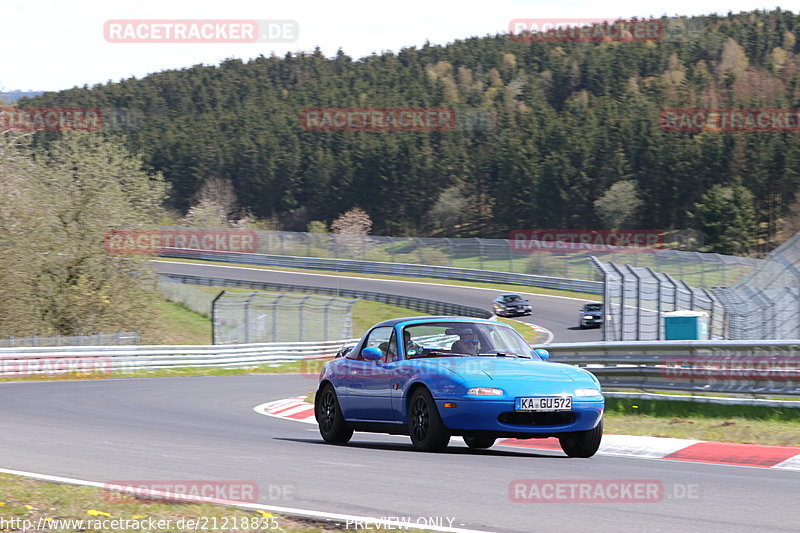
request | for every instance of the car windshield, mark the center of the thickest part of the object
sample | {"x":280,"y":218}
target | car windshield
{"x":594,"y":307}
{"x":442,"y":339}
{"x":513,"y":298}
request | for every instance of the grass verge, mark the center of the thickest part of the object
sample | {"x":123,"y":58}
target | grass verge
{"x":686,"y":420}
{"x":529,"y":334}
{"x":175,"y":324}
{"x":51,"y":504}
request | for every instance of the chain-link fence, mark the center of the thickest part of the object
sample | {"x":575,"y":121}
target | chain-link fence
{"x":544,"y":258}
{"x":118,"y":338}
{"x":264,"y":317}
{"x":764,"y":304}
{"x":190,"y":296}
{"x":636,"y":299}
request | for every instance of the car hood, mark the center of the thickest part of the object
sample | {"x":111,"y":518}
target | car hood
{"x":506,"y":368}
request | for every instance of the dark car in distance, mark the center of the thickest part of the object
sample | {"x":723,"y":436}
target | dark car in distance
{"x":591,"y":315}
{"x":511,"y":305}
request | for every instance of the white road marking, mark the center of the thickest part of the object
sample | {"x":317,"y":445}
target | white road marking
{"x":289,"y":511}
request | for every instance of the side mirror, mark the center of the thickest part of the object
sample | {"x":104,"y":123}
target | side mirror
{"x":544,"y":354}
{"x":372,"y":353}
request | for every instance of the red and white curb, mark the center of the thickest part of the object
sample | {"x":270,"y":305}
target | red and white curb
{"x":698,"y":451}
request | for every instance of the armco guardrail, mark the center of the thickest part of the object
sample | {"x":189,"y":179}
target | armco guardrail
{"x":432,"y":307}
{"x":398,"y":269}
{"x":756,"y":368}
{"x":94,"y":360}
{"x":750,"y":369}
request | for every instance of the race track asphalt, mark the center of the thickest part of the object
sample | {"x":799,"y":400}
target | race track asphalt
{"x":559,"y":315}
{"x":204,"y":428}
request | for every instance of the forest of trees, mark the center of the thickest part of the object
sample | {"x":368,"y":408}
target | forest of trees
{"x":569,"y":120}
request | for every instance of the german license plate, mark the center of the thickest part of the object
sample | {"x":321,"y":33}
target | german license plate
{"x":544,"y":403}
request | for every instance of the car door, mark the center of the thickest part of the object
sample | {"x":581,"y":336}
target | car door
{"x":370,"y":382}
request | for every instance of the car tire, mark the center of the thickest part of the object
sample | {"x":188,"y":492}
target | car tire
{"x":425,"y":427}
{"x":479,"y":442}
{"x":328,"y":413}
{"x":582,"y":443}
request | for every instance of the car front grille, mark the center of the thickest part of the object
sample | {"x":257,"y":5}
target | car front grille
{"x":536,"y":419}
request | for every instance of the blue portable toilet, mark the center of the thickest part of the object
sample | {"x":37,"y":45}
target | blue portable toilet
{"x":685,"y":326}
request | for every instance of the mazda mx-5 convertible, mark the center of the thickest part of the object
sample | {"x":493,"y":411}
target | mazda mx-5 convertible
{"x":435,"y":377}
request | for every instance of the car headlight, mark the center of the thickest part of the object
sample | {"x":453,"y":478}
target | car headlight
{"x":485,"y":391}
{"x":587,"y":317}
{"x":587,"y":392}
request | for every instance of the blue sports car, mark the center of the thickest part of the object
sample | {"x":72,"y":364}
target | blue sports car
{"x":435,"y":377}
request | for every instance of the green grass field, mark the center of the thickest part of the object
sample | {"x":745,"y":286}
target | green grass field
{"x":23,"y":499}
{"x":704,"y":421}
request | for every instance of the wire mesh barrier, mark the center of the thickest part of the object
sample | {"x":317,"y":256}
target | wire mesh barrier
{"x":257,"y":317}
{"x":636,"y":299}
{"x":191,"y":297}
{"x":766,"y":303}
{"x":763,"y":304}
{"x":537,"y":257}
{"x":118,"y":338}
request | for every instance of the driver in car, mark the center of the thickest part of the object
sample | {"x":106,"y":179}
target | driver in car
{"x":411,"y":347}
{"x":467,"y":342}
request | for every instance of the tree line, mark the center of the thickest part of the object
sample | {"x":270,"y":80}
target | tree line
{"x":572,"y":140}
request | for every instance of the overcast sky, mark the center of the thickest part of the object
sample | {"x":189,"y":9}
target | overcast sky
{"x":58,"y":44}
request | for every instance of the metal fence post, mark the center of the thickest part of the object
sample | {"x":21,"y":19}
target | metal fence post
{"x":326,"y":319}
{"x":691,"y":294}
{"x":638,"y":302}
{"x":275,"y":317}
{"x":713,"y":309}
{"x":658,"y":303}
{"x":214,"y":317}
{"x":246,"y":312}
{"x":622,"y":301}
{"x":674,"y":291}
{"x":302,"y":317}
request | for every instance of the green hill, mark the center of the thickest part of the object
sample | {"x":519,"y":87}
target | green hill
{"x":557,"y":124}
